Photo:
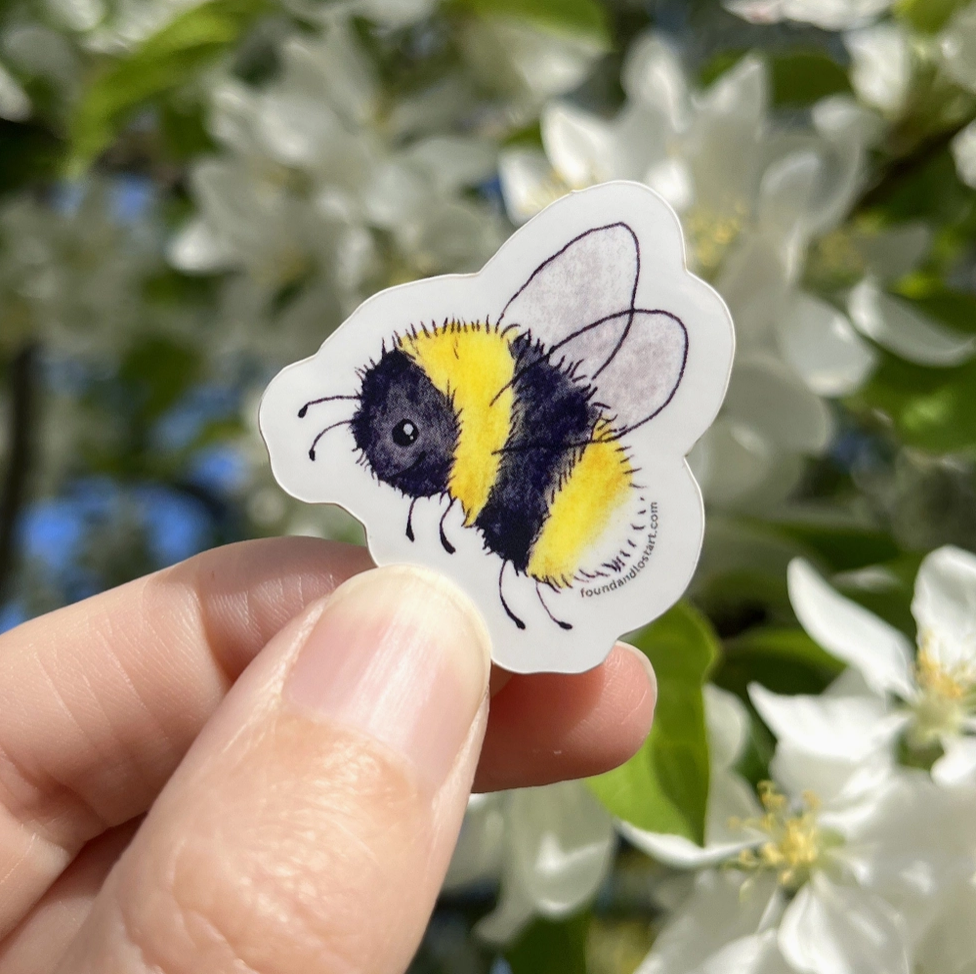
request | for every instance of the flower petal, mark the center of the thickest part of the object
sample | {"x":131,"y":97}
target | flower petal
{"x":848,"y":128}
{"x":679,"y":852}
{"x":453,"y":162}
{"x":560,"y":844}
{"x":824,"y":348}
{"x":730,"y":798}
{"x":197,"y":248}
{"x":529,"y":183}
{"x":917,"y":842}
{"x":950,"y":942}
{"x":724,"y":139}
{"x":578,"y":144}
{"x":881,"y":69}
{"x":958,"y":44}
{"x":721,"y":909}
{"x":653,"y":76}
{"x":15,"y":104}
{"x":758,"y":954}
{"x":512,"y":914}
{"x":898,"y":327}
{"x":672,"y":179}
{"x":851,"y":633}
{"x":850,"y":728}
{"x":828,"y":14}
{"x":785,"y":195}
{"x":727,"y":721}
{"x":892,"y":252}
{"x":964,"y":152}
{"x":832,"y":929}
{"x":944,"y":606}
{"x":847,"y":790}
{"x":477,"y":855}
{"x":764,"y":394}
{"x":958,"y":765}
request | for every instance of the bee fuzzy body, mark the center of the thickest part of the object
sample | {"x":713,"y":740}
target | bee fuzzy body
{"x":497,"y":422}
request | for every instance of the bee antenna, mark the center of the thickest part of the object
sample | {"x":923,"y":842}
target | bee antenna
{"x":315,"y":442}
{"x":314,"y":402}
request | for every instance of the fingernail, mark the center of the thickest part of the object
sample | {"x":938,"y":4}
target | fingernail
{"x":402,"y":655}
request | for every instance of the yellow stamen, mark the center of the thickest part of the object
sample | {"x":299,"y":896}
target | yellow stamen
{"x":948,"y":695}
{"x":795,"y":842}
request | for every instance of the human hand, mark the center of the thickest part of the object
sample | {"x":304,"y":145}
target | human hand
{"x":162,"y":810}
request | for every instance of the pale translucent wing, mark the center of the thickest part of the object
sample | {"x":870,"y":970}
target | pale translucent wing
{"x":592,"y":277}
{"x":579,"y":304}
{"x":643,"y":361}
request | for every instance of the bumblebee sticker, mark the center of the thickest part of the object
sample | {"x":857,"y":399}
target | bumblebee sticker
{"x":524,"y":429}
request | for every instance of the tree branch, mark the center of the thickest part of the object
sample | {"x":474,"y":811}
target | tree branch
{"x":13,"y":489}
{"x":907,"y":166}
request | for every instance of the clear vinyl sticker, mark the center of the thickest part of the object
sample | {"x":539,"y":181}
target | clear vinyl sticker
{"x":523,"y":430}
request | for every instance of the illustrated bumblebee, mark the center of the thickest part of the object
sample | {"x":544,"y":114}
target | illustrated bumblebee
{"x":523,"y":420}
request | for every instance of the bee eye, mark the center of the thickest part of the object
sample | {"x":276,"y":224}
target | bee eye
{"x":405,"y":433}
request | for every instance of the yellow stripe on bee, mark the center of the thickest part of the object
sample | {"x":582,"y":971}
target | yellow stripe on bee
{"x":582,"y":509}
{"x":470,"y":363}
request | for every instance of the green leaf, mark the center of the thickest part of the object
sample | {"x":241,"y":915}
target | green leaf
{"x":934,"y":409}
{"x":184,"y":131}
{"x":957,"y":309}
{"x":931,"y":408}
{"x":28,"y":153}
{"x":548,"y":947}
{"x":664,"y":787}
{"x":716,"y":66}
{"x":926,"y":187}
{"x":159,"y":372}
{"x":843,"y":547}
{"x":585,"y":18}
{"x":798,"y":77}
{"x":786,"y":660}
{"x":804,"y":77}
{"x":164,"y":62}
{"x":927,"y":16}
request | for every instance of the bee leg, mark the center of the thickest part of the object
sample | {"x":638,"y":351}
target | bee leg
{"x":511,"y":615}
{"x":410,"y":519}
{"x":559,"y":622}
{"x":445,"y":544}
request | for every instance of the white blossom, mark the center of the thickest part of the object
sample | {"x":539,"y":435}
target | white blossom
{"x":15,"y":104}
{"x":829,"y":14}
{"x":550,"y":848}
{"x":313,"y":189}
{"x":881,"y":65}
{"x":833,"y":870}
{"x":70,"y":274}
{"x":957,"y":43}
{"x":926,"y":698}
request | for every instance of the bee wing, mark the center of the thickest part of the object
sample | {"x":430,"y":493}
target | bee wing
{"x":593,"y":276}
{"x":580,"y":305}
{"x":642,"y":356}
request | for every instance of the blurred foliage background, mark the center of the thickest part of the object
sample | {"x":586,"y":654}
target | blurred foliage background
{"x":193,"y":194}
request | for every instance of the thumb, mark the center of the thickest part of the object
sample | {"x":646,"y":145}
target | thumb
{"x":310,"y":826}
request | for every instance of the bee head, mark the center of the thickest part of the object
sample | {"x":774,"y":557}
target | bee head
{"x":406,"y":429}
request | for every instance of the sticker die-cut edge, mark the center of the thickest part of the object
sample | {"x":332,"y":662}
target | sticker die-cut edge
{"x":598,"y":612}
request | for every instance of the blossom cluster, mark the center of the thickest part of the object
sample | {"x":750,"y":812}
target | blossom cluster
{"x":857,"y":854}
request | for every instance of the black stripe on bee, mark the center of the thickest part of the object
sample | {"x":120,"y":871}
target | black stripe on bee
{"x":552,"y":413}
